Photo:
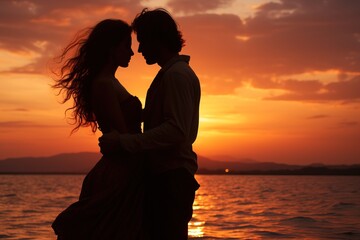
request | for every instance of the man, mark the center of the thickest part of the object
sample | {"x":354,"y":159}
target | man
{"x":171,"y":117}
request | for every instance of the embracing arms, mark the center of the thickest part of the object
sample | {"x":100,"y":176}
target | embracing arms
{"x":181,"y":113}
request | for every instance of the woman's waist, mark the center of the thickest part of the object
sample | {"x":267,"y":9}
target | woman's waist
{"x":121,"y":156}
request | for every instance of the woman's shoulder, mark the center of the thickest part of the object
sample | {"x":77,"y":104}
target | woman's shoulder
{"x":101,"y":86}
{"x":110,"y":85}
{"x":102,"y":82}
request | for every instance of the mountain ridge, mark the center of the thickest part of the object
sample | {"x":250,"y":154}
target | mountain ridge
{"x":82,"y":162}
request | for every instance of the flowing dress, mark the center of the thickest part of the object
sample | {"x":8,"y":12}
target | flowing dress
{"x":110,"y":205}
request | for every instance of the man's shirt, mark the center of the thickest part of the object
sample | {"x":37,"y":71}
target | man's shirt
{"x":171,"y":119}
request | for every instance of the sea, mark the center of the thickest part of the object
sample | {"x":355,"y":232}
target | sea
{"x":226,"y":206}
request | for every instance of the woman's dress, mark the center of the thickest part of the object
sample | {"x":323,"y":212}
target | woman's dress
{"x":110,"y":205}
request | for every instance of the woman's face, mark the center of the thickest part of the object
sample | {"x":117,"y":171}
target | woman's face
{"x":123,"y":52}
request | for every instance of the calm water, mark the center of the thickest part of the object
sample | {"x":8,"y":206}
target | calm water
{"x":226,"y":207}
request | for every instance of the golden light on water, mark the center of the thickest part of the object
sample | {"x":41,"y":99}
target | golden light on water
{"x":196,"y":229}
{"x":226,"y":207}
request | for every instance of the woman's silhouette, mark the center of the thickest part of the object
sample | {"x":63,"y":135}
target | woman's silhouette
{"x":111,"y":198}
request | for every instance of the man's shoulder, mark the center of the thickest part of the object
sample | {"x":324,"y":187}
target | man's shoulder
{"x":180,"y":68}
{"x":180,"y":73}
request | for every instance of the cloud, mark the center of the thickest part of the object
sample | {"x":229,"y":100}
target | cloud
{"x":282,"y":38}
{"x":198,"y":6}
{"x":213,"y":37}
{"x":344,"y":91}
{"x":16,"y":110}
{"x":16,"y":124}
{"x":45,"y":27}
{"x":298,"y":36}
{"x":349,"y":124}
{"x":25,"y":124}
{"x":320,"y":116}
{"x":292,"y":85}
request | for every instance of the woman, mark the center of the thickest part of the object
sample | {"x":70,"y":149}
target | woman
{"x":110,"y":202}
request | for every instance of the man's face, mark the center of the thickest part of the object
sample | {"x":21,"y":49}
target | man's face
{"x":149,"y":49}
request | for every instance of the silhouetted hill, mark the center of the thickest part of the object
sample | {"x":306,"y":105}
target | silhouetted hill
{"x":228,"y":158}
{"x":61,"y":163}
{"x":84,"y":161}
{"x":242,"y":165}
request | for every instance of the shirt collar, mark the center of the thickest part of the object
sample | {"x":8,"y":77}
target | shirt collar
{"x":172,"y":61}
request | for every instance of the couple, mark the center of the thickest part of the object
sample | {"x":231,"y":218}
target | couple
{"x":143,"y":187}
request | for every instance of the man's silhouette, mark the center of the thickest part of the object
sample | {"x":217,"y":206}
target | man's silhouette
{"x":171,"y":117}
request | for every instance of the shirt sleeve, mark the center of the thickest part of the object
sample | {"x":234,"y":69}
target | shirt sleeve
{"x":178,"y":105}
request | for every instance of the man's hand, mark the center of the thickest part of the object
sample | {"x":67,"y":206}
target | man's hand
{"x":109,"y":142}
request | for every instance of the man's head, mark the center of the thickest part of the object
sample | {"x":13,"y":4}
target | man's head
{"x":156,"y":30}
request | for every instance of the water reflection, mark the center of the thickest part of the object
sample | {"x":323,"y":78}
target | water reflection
{"x":196,"y":229}
{"x":225,"y":207}
{"x":213,"y":215}
{"x":274,"y":207}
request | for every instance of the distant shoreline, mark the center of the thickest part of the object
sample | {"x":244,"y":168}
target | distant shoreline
{"x":299,"y":172}
{"x":81,"y":163}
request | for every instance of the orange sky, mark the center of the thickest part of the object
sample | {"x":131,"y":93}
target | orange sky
{"x":280,"y":80}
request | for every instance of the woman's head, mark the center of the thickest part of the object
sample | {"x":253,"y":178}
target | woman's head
{"x":108,"y":42}
{"x":105,"y":42}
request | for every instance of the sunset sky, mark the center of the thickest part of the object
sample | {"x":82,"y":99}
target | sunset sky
{"x":280,"y":79}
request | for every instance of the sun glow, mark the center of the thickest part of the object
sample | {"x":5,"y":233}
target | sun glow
{"x":243,"y":38}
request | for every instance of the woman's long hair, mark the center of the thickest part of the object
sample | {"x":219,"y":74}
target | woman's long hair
{"x":93,"y":47}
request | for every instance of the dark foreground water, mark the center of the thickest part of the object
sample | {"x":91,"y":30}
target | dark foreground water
{"x":226,"y":207}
